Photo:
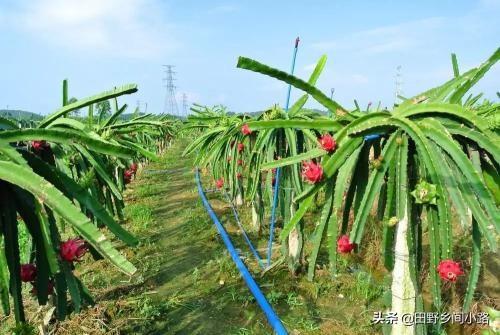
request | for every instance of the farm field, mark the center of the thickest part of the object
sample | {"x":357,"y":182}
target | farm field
{"x":187,"y":282}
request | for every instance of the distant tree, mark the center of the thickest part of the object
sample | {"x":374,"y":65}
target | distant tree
{"x":76,"y":112}
{"x":103,"y":108}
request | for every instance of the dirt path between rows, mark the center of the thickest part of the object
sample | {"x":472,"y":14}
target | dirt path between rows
{"x":186,"y":281}
{"x":197,"y":283}
{"x":196,"y":278}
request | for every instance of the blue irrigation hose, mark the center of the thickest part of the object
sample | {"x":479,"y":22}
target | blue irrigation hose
{"x":273,"y":217}
{"x":277,"y":178}
{"x":291,"y":72}
{"x":249,"y":242}
{"x":272,"y":318}
{"x":372,"y":137}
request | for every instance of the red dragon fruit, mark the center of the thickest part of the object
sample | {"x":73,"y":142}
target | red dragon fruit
{"x":327,"y":143}
{"x":245,"y":130}
{"x":28,"y":273}
{"x":73,"y":250}
{"x":312,"y":172}
{"x":449,"y":270}
{"x":39,"y":145}
{"x":344,"y":246}
{"x":241,"y":147}
{"x":219,"y":183}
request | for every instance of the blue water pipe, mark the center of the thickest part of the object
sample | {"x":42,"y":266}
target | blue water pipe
{"x":247,"y":239}
{"x":372,"y":137}
{"x":277,"y":178}
{"x":297,"y":40}
{"x":271,"y":316}
{"x":273,"y":217}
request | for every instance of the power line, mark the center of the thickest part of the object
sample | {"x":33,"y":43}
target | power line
{"x":139,"y":106}
{"x":170,"y":106}
{"x":398,"y":84}
{"x":184,"y":104}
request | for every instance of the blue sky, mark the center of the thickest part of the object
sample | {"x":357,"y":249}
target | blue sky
{"x":98,"y":44}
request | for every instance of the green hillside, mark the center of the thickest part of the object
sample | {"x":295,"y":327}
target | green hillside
{"x":19,"y":114}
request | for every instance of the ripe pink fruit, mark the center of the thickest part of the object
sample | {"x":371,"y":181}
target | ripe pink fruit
{"x":219,"y":183}
{"x":39,"y":145}
{"x":312,"y":172}
{"x":50,"y":287}
{"x":240,"y":162}
{"x":328,"y":143}
{"x":28,"y":273}
{"x":127,"y":176}
{"x":73,"y":250}
{"x":245,"y":129}
{"x":133,"y":167}
{"x":344,"y":246}
{"x":241,"y":147}
{"x":449,"y":270}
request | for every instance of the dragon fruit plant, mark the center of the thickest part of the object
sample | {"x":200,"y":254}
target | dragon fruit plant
{"x":435,"y":153}
{"x":60,"y":174}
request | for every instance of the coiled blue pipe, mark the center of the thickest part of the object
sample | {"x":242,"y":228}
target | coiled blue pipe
{"x":271,"y":316}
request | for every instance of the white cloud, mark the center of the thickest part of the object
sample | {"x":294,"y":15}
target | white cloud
{"x":403,"y":36}
{"x":130,"y":28}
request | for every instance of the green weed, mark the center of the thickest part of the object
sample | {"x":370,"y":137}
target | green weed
{"x":293,"y":300}
{"x":146,"y":190}
{"x":23,"y":329}
{"x":308,"y":324}
{"x":243,"y":331}
{"x":140,"y":214}
{"x":274,"y":296}
{"x":366,"y":288}
{"x":151,"y":310}
{"x":225,"y":266}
